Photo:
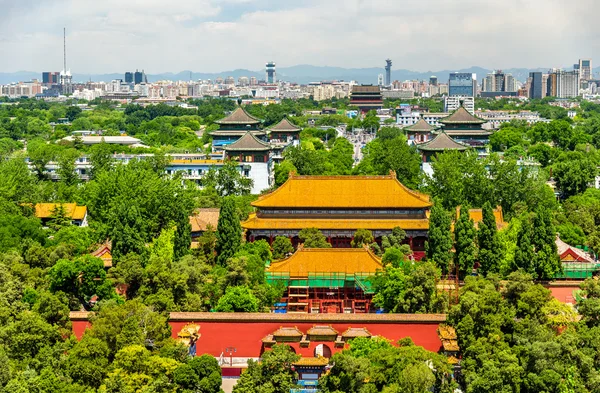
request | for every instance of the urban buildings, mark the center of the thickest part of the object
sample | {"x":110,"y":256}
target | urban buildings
{"x":537,"y":85}
{"x":139,"y":77}
{"x":567,"y":83}
{"x":462,"y":84}
{"x":584,"y":66}
{"x":50,"y":78}
{"x":433,"y":80}
{"x":453,"y":103}
{"x":498,"y":81}
{"x":271,"y":74}
{"x":129,"y":77}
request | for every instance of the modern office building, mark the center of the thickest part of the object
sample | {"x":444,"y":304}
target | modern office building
{"x":129,"y":77}
{"x":498,"y":82}
{"x":50,"y":78}
{"x":462,"y":84}
{"x":271,"y":74}
{"x":433,"y":80}
{"x":139,"y":77}
{"x":537,"y":89}
{"x":388,"y":72}
{"x":585,"y":69}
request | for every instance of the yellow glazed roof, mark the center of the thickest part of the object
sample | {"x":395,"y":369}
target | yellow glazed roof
{"x":255,"y":222}
{"x":477,"y":216}
{"x":343,"y":192}
{"x":327,"y":260}
{"x":45,"y":210}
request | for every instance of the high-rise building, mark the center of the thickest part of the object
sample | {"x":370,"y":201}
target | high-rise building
{"x":388,"y":72}
{"x":452,"y":104}
{"x":253,"y":81}
{"x":585,"y":69}
{"x":271,"y":75}
{"x":567,"y":83}
{"x":139,"y":77}
{"x":129,"y":77}
{"x":380,"y":79}
{"x":50,"y":78}
{"x":462,"y":84}
{"x":243,"y":81}
{"x":433,"y":80}
{"x":498,"y":81}
{"x":537,"y":88}
{"x":230,"y":80}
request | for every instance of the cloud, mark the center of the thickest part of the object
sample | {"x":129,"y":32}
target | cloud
{"x":216,"y":35}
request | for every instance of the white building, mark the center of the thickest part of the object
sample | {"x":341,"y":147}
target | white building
{"x":567,"y":84}
{"x":454,"y":102}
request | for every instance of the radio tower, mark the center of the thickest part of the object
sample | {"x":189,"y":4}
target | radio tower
{"x":388,"y":72}
{"x":65,"y":75}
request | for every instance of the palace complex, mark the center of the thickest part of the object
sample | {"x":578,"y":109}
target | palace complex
{"x":234,"y":126}
{"x":465,"y":128}
{"x":338,"y":206}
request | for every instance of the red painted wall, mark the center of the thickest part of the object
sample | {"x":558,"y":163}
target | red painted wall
{"x":246,"y":336}
{"x":564,"y":294}
{"x":79,"y":327}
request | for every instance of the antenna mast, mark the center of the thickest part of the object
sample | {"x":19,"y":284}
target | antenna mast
{"x":65,"y":48}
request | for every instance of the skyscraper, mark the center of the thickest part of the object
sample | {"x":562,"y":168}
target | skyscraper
{"x":271,"y":75}
{"x":585,"y":69}
{"x":537,"y":89}
{"x":129,"y":77}
{"x":433,"y":80}
{"x":567,"y":83}
{"x":139,"y":77}
{"x":462,"y":84}
{"x":388,"y":72}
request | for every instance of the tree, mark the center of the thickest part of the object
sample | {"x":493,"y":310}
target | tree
{"x":524,"y":254}
{"x":66,"y":165}
{"x":282,"y":246}
{"x":88,"y":361}
{"x":361,"y":238}
{"x":238,"y":299}
{"x":464,"y":240}
{"x":489,"y":244}
{"x":546,"y":263}
{"x":40,"y":154}
{"x":313,"y":238}
{"x":229,"y":232}
{"x":272,"y":374}
{"x":440,"y":238}
{"x":73,"y":112}
{"x":100,"y":158}
{"x":228,"y":180}
{"x":574,"y":172}
{"x":282,"y":172}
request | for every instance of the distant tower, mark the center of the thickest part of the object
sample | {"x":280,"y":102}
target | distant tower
{"x":380,"y":79}
{"x":271,"y":75}
{"x":388,"y":72}
{"x":65,"y":75}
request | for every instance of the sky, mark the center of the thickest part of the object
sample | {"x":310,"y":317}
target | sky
{"x":105,"y":36}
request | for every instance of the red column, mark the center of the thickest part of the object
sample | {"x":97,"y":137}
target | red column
{"x":410,"y":242}
{"x":270,"y":240}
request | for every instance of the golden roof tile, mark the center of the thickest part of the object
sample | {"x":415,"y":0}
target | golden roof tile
{"x":356,"y":332}
{"x":202,"y":218}
{"x":307,"y":261}
{"x":322,"y":330}
{"x":255,"y":222}
{"x":46,"y":210}
{"x":343,"y":192}
{"x":314,"y":362}
{"x":287,"y":332}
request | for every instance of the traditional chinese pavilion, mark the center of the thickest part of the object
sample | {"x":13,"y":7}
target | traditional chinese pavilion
{"x":234,"y":126}
{"x":466,"y":128}
{"x":366,"y":97}
{"x":419,"y":132}
{"x":338,"y":206}
{"x":284,"y":132}
{"x":326,"y":280}
{"x":248,"y":149}
{"x":440,"y":143}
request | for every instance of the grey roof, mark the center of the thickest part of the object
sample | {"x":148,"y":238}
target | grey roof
{"x":239,"y":116}
{"x":248,"y":142}
{"x":441,"y":142}
{"x":421,"y":126}
{"x":284,"y":126}
{"x":461,"y":116}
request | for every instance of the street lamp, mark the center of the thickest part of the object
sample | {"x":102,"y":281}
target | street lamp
{"x":230,"y":351}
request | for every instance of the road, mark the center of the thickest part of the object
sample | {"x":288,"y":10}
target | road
{"x":359,"y":138}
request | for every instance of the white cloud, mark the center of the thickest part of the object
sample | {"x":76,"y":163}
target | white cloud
{"x":216,"y":35}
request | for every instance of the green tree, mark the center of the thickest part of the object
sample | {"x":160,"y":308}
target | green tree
{"x":440,"y":237}
{"x":464,"y":240}
{"x":547,"y":263}
{"x":313,"y":238}
{"x":489,"y":244}
{"x":100,"y":158}
{"x":229,"y":232}
{"x":282,"y":172}
{"x":238,"y":299}
{"x":361,"y":238}
{"x":228,"y":180}
{"x":282,"y":246}
{"x":272,"y":374}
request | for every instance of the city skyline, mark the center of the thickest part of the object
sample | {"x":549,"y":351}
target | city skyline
{"x":212,"y":36}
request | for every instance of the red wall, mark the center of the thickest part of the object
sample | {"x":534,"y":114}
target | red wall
{"x":79,"y":327}
{"x":564,"y":294}
{"x":246,"y":336}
